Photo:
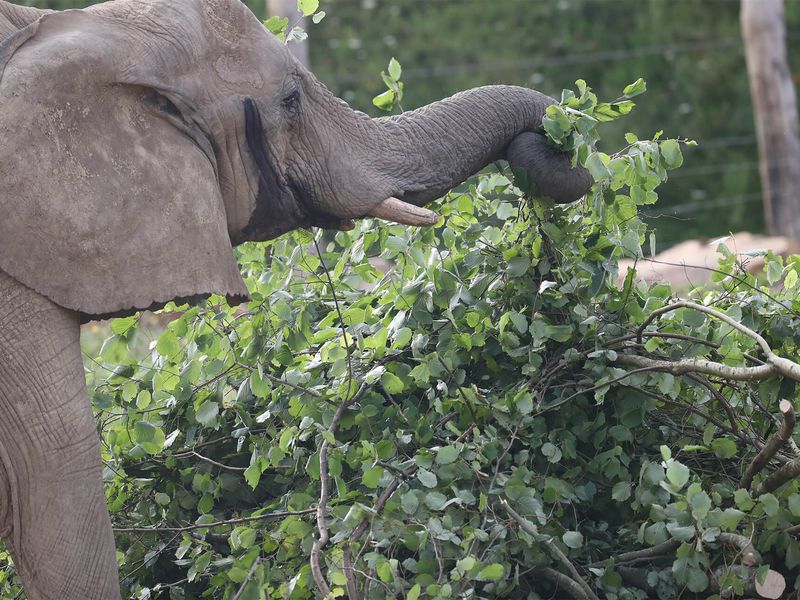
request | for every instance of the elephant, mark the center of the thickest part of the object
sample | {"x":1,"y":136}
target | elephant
{"x":140,"y":140}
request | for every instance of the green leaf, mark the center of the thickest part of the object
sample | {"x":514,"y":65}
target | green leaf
{"x":621,"y":491}
{"x":518,"y":266}
{"x":307,"y":7}
{"x":435,"y":500}
{"x":790,"y":281}
{"x":447,"y":455}
{"x":167,"y":344}
{"x":794,"y":504}
{"x":385,"y":101}
{"x":414,"y":592}
{"x":635,"y":89}
{"x":769,"y":503}
{"x":724,"y":447}
{"x":493,"y":572}
{"x":409,"y":502}
{"x":597,"y":168}
{"x":392,"y":383}
{"x":277,"y":26}
{"x":207,"y":413}
{"x":671,"y":153}
{"x":395,"y":70}
{"x":677,"y":474}
{"x":372,"y":477}
{"x":696,"y":580}
{"x":700,"y":504}
{"x":384,"y":571}
{"x":252,"y":475}
{"x":572,"y":539}
{"x":427,"y":478}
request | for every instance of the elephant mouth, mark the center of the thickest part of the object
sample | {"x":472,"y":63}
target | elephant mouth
{"x":312,"y":217}
{"x":392,"y":209}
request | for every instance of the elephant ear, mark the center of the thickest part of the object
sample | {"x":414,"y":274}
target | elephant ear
{"x":110,"y":200}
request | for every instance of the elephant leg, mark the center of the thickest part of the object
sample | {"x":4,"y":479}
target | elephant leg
{"x":53,"y":516}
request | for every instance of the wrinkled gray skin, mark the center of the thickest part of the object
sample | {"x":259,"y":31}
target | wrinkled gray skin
{"x":139,"y":141}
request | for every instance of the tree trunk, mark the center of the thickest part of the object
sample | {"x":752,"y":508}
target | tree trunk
{"x":288,"y":9}
{"x":775,"y":108}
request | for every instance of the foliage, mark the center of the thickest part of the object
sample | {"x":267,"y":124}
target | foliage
{"x":468,"y":408}
{"x":393,"y":96}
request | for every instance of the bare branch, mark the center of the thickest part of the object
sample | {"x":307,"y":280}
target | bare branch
{"x":772,"y":446}
{"x":563,"y":582}
{"x":273,"y":515}
{"x":217,"y":464}
{"x":699,"y":365}
{"x":645,"y":554}
{"x":709,"y":311}
{"x":782,"y":366}
{"x":248,"y":578}
{"x":749,"y":555}
{"x":783,"y":475}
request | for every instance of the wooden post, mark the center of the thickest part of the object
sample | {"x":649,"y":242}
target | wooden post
{"x":775,"y":108}
{"x":288,"y":9}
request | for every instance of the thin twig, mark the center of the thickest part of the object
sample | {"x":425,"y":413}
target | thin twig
{"x":594,"y":388}
{"x":248,"y":578}
{"x":217,"y":464}
{"x":720,"y":397}
{"x":749,"y":554}
{"x":273,"y":515}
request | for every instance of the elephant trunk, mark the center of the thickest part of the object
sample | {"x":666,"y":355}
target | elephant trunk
{"x":430,"y":150}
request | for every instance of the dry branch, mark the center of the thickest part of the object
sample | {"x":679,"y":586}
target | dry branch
{"x":561,"y":581}
{"x":749,"y":555}
{"x":783,"y":475}
{"x":780,"y":365}
{"x":273,"y":515}
{"x":699,"y":365}
{"x":772,"y":446}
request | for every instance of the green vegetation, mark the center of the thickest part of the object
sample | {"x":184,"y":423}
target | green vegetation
{"x":494,"y":416}
{"x":477,"y":422}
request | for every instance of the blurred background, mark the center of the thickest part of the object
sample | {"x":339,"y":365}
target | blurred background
{"x":690,"y":52}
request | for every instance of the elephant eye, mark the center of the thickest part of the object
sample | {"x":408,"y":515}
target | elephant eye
{"x":291,"y":102}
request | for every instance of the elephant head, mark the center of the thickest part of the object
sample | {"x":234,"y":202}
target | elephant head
{"x":139,"y":139}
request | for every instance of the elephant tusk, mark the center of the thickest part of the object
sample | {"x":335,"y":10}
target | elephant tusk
{"x":398,"y":211}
